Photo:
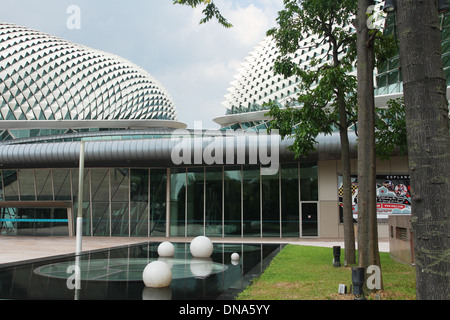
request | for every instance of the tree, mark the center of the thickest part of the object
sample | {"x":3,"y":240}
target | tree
{"x":426,"y":110}
{"x":210,"y":11}
{"x":327,"y":89}
{"x":368,"y":253}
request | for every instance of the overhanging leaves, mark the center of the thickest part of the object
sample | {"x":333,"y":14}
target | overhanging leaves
{"x":210,"y":11}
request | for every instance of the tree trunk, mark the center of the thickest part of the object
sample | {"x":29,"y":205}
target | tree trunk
{"x":368,"y":253}
{"x":349,"y":232}
{"x":426,"y":108}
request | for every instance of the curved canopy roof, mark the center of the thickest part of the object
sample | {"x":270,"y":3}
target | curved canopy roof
{"x":257,"y":148}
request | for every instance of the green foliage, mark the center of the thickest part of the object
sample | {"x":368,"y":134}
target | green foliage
{"x":390,"y":132}
{"x":210,"y":11}
{"x":385,"y":47}
{"x":327,"y":89}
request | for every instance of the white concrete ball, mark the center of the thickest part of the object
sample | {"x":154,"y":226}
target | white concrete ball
{"x":201,"y":247}
{"x":157,"y":274}
{"x":235,"y":256}
{"x":166,"y":249}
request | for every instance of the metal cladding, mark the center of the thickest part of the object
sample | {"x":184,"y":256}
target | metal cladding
{"x":160,"y":152}
{"x":47,"y":78}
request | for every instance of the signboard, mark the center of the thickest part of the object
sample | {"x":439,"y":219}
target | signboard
{"x":393,"y":195}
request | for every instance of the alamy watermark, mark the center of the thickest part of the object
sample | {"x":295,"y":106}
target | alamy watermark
{"x":375,"y":17}
{"x":73,"y":21}
{"x":229,"y":147}
{"x":73,"y":281}
{"x":374,"y":280}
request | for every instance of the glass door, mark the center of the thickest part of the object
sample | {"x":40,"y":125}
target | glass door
{"x":309,"y":219}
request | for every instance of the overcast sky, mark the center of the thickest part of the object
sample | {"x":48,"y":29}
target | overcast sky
{"x":195,"y":63}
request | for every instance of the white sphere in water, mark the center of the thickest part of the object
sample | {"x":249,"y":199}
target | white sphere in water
{"x":201,"y":267}
{"x":157,"y":274}
{"x":201,"y":247}
{"x":235,"y":256}
{"x":166,"y":249}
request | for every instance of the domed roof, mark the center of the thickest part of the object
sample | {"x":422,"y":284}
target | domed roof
{"x":47,"y":78}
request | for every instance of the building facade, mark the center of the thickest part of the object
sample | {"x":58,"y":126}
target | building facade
{"x":55,"y":94}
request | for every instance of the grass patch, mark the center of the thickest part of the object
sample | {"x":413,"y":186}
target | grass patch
{"x":307,"y":273}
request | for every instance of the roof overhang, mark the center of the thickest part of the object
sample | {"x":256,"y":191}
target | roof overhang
{"x":226,"y":120}
{"x":219,"y":148}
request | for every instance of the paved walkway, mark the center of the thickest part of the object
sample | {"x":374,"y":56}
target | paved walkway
{"x":15,"y":249}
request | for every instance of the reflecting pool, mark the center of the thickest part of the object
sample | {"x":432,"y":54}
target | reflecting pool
{"x":116,"y":274}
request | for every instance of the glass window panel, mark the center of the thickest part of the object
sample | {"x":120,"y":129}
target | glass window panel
{"x":383,"y":68}
{"x":100,"y":218}
{"x":213,"y":194}
{"x":139,"y":185}
{"x":393,"y":77}
{"x":446,"y":59}
{"x":100,"y":185}
{"x":119,"y":219}
{"x":11,"y":185}
{"x":309,"y":219}
{"x":8,"y":226}
{"x":177,"y":202}
{"x":232,"y":201}
{"x":61,"y":184}
{"x":119,"y":178}
{"x":195,"y":201}
{"x":75,"y":186}
{"x":309,"y":182}
{"x":445,"y":45}
{"x":119,"y":184}
{"x":393,"y":64}
{"x":44,"y":185}
{"x":139,"y":216}
{"x":381,"y":80}
{"x":290,"y":225}
{"x":26,"y":185}
{"x":251,"y":199}
{"x":270,"y":205}
{"x":59,"y":228}
{"x":139,"y":219}
{"x":158,"y":179}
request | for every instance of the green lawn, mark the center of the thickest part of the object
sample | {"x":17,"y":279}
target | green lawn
{"x":307,"y":273}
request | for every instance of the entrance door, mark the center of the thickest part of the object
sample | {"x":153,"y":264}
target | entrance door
{"x":309,"y":219}
{"x":34,"y":220}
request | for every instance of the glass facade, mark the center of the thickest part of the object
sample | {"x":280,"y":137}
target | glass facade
{"x":389,"y":76}
{"x":216,"y":201}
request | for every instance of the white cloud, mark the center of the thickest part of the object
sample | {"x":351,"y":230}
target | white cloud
{"x":250,"y":24}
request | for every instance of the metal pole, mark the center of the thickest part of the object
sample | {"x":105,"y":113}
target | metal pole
{"x":80,"y":199}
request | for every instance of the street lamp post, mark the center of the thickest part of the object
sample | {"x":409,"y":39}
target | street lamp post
{"x":80,"y":200}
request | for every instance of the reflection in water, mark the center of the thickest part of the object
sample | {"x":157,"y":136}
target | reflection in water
{"x":117,"y":274}
{"x":121,"y":269}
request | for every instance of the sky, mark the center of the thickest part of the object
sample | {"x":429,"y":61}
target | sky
{"x":194,"y":63}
